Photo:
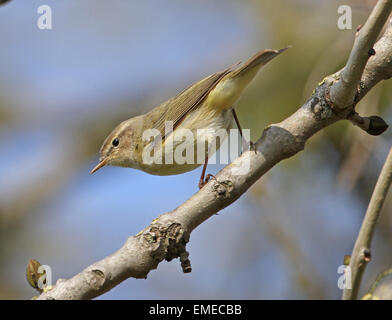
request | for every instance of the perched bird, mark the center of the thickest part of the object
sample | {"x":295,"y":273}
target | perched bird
{"x":200,"y":113}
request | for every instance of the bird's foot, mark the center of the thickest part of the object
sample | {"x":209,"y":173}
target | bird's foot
{"x":204,"y":181}
{"x":250,"y":146}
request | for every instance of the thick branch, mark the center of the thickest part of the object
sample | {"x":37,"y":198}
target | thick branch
{"x":343,"y":92}
{"x":167,"y":235}
{"x":361,"y":254}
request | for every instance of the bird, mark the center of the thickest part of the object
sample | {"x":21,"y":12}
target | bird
{"x":201,"y":112}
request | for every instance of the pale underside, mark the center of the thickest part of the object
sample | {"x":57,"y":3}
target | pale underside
{"x":201,"y":134}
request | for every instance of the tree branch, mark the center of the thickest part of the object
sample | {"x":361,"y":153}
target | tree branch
{"x":361,"y":254}
{"x":166,"y":237}
{"x":343,"y":92}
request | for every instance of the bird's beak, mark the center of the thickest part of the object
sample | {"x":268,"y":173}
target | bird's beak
{"x":102,"y":163}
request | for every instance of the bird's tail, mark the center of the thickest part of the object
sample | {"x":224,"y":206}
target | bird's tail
{"x":256,"y":62}
{"x":229,"y":89}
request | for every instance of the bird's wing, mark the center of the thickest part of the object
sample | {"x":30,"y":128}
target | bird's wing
{"x":178,"y":107}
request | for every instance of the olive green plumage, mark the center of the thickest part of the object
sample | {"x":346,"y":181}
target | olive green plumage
{"x":204,"y":108}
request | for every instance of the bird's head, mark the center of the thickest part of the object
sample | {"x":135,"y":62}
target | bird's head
{"x":122,"y":145}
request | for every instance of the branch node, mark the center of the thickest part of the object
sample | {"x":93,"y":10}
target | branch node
{"x":95,"y":278}
{"x":321,"y":104}
{"x":321,"y":109}
{"x":223,"y":189}
{"x":168,"y":241}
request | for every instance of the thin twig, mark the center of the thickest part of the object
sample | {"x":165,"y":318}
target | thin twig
{"x":343,"y":92}
{"x":361,"y":254}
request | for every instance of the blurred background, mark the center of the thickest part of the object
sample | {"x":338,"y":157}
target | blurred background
{"x":63,"y":90}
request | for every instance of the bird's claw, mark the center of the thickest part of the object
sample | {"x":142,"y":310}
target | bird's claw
{"x":252,"y":146}
{"x":204,"y":181}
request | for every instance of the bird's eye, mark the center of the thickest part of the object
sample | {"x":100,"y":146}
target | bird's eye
{"x":115,"y":142}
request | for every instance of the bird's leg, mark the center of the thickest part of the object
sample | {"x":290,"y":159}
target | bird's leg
{"x":252,"y":146}
{"x":203,"y":180}
{"x":237,"y":121}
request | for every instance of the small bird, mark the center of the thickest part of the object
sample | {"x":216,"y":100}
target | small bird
{"x":205,"y":108}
